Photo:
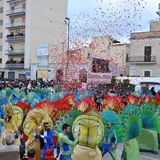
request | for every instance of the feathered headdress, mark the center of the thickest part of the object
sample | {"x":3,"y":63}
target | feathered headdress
{"x":8,"y":109}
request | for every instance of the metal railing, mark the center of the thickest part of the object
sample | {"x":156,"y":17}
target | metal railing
{"x":16,"y":11}
{"x":139,"y":59}
{"x":16,"y":24}
{"x":15,"y":38}
{"x":15,"y":52}
{"x":14,"y":65}
{"x":11,"y":1}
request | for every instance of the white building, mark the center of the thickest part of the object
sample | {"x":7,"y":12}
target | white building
{"x":144,"y":57}
{"x":25,"y":24}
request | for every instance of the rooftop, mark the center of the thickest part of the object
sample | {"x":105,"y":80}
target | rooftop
{"x":145,"y":35}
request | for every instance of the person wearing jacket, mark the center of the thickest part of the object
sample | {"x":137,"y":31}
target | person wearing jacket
{"x":30,"y":155}
{"x":49,"y":154}
{"x":11,"y":151}
{"x":46,"y":139}
{"x":64,"y":143}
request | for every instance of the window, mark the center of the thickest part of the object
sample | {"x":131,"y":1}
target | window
{"x":147,"y":53}
{"x":1,"y":23}
{"x":0,"y":60}
{"x":22,"y":47}
{"x":1,"y":10}
{"x":12,"y":8}
{"x":11,"y":75}
{"x":147,"y":73}
{"x":1,"y":35}
{"x":23,"y":19}
{"x":0,"y":47}
{"x":89,"y":55}
{"x":24,"y":6}
{"x":100,"y":66}
{"x":12,"y":20}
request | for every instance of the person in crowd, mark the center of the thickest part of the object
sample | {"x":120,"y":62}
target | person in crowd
{"x":46,"y":138}
{"x":49,"y":154}
{"x":30,"y":155}
{"x":109,"y":142}
{"x":64,"y":143}
{"x":153,"y":91}
{"x":10,"y":151}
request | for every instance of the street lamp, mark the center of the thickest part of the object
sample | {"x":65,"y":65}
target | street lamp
{"x":158,"y":12}
{"x":67,"y":22}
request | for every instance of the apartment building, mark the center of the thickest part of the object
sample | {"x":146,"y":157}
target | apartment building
{"x":144,"y":56}
{"x":25,"y":24}
{"x":1,"y":33}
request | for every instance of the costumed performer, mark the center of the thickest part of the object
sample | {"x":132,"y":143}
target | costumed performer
{"x":109,"y":143}
{"x":46,"y":138}
{"x":37,"y":128}
{"x":8,"y":122}
{"x":64,"y":143}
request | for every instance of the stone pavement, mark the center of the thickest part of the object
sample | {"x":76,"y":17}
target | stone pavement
{"x":144,"y":155}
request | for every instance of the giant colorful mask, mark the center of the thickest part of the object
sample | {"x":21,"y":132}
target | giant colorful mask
{"x":92,"y":132}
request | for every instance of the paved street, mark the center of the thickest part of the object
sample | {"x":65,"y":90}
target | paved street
{"x":144,"y":155}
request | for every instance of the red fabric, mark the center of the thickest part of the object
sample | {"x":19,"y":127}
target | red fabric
{"x":49,"y":154}
{"x":55,"y":139}
{"x":25,"y":138}
{"x":32,"y":158}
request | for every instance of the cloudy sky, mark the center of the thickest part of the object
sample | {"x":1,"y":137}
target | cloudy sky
{"x":117,"y":18}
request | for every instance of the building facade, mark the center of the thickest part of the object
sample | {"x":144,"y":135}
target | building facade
{"x":144,"y":56}
{"x":25,"y":24}
{"x":103,"y":55}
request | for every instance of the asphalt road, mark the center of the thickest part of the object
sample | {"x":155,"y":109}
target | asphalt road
{"x":144,"y":155}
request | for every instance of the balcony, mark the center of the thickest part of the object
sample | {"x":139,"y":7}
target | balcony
{"x":13,"y":1}
{"x":16,"y":52}
{"x":15,"y":38}
{"x":141,"y":60}
{"x":14,"y":66}
{"x":16,"y":12}
{"x":15,"y":25}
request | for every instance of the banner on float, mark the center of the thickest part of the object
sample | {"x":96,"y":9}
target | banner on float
{"x":99,"y":78}
{"x":42,"y":72}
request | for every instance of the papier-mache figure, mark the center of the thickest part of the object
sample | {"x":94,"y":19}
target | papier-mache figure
{"x":92,"y":132}
{"x":131,"y":128}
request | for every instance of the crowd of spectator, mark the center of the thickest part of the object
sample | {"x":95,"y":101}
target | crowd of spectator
{"x":17,"y":34}
{"x":12,"y":61}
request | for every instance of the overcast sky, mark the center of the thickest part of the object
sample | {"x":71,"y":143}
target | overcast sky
{"x":117,"y":18}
